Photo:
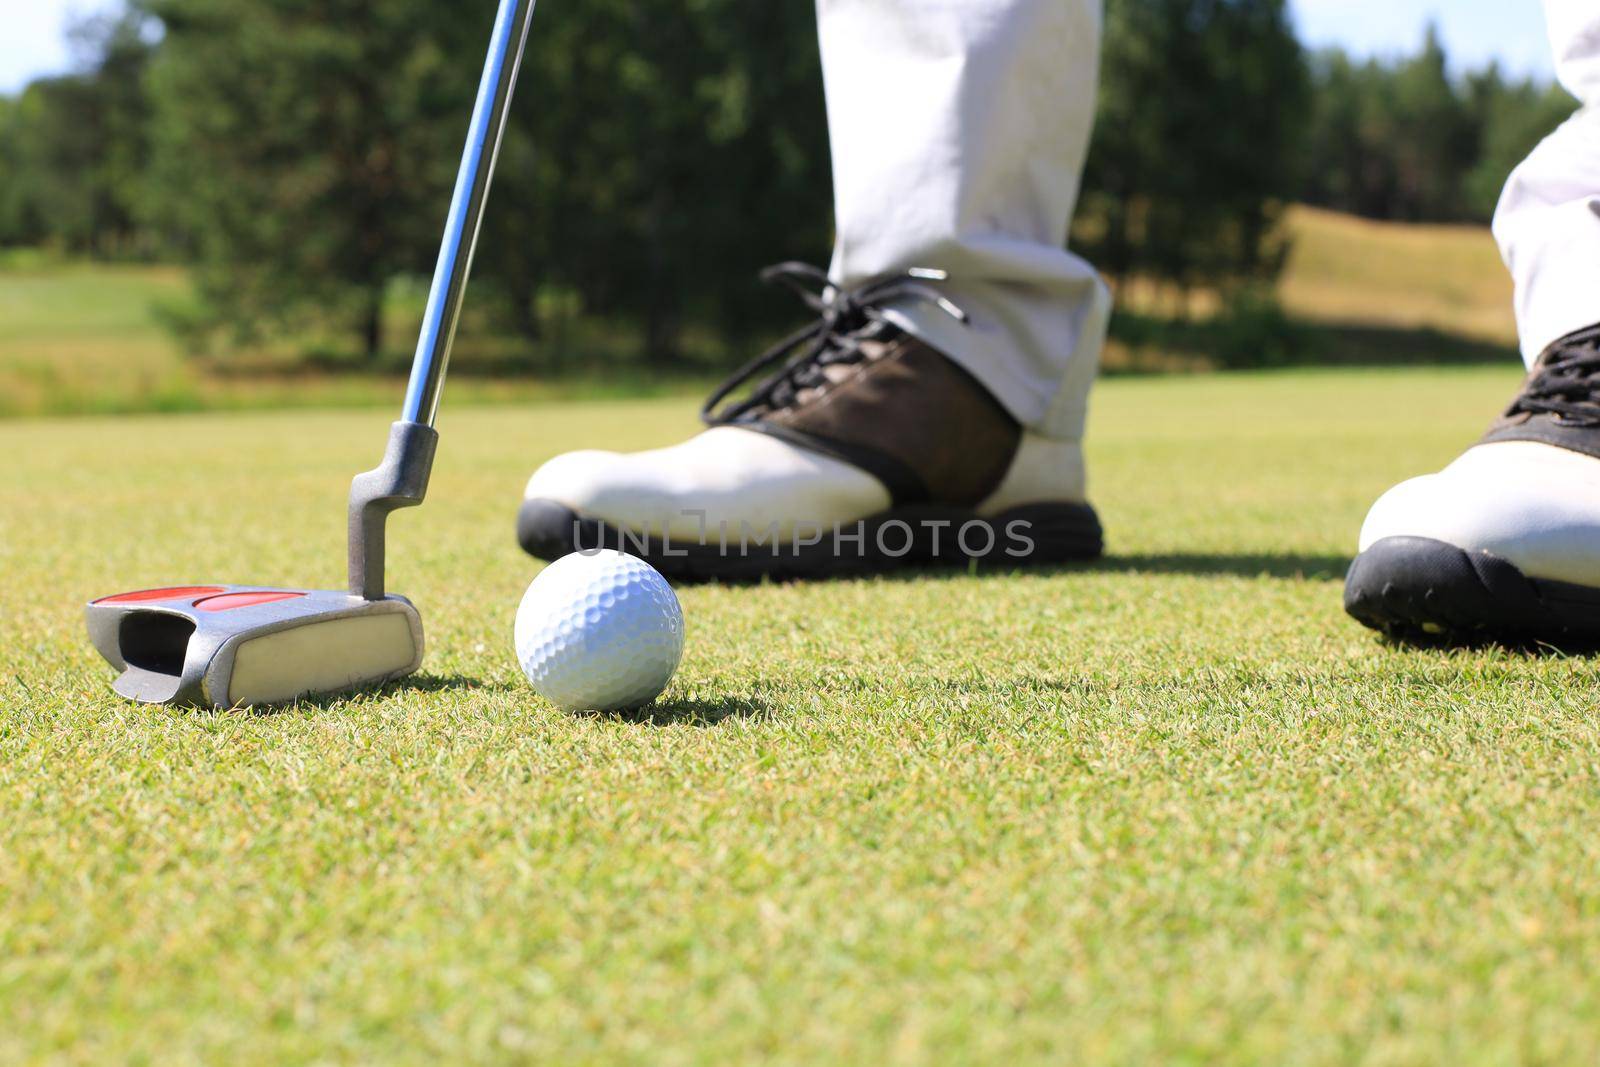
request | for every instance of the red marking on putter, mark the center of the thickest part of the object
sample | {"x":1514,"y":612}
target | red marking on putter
{"x":235,"y":601}
{"x":180,"y":593}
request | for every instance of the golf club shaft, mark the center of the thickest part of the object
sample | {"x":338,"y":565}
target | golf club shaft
{"x":466,"y":211}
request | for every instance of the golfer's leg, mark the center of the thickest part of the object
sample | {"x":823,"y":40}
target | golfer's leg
{"x":1506,"y":540}
{"x":1548,"y":223}
{"x":959,"y":133}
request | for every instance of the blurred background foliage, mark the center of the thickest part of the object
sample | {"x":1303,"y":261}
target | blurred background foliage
{"x":294,"y":159}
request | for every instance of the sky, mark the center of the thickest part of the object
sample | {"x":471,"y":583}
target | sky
{"x":1475,"y":31}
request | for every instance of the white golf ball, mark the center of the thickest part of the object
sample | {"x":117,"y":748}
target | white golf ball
{"x":599,"y":631}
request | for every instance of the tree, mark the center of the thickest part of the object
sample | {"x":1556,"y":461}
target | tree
{"x":1409,"y":141}
{"x":300,"y":153}
{"x":658,"y":157}
{"x":18,"y":225}
{"x":1432,"y":141}
{"x":1514,"y":117}
{"x":1193,"y":158}
{"x":75,"y":147}
{"x":304,"y":150}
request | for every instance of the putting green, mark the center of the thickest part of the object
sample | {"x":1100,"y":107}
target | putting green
{"x":1174,"y":807}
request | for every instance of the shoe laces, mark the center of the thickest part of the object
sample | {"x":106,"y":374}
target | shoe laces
{"x":846,"y":318}
{"x":1565,"y":382}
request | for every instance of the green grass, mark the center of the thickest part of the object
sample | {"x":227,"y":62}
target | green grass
{"x":1345,"y":270}
{"x":1171,"y":808}
{"x":1353,"y":292}
{"x":79,"y":337}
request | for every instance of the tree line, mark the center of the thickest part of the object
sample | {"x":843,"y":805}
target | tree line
{"x":1407,"y":141}
{"x":297,"y":155}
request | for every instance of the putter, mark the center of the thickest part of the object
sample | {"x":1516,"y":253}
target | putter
{"x":231,"y":646}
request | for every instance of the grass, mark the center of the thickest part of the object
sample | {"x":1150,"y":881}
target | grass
{"x":1345,"y":271}
{"x":1353,"y":293}
{"x":1350,"y":271}
{"x":77,"y":337}
{"x":1170,"y":808}
{"x":80,"y":336}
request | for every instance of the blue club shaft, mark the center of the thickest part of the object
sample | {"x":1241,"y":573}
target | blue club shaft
{"x":466,"y":211}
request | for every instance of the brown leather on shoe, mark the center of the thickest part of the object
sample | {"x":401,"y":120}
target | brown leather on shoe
{"x":855,"y":386}
{"x":908,"y":415}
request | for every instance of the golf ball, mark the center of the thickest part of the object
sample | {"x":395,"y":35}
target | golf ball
{"x":599,"y":631}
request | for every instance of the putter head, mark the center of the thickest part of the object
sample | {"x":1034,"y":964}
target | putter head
{"x":230,"y":646}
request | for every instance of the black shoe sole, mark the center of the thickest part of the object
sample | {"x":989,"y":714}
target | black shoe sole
{"x":1035,"y":535}
{"x":1420,"y":590}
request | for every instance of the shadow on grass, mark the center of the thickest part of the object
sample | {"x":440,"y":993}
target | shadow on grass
{"x":696,"y":712}
{"x":1571,"y":647}
{"x":693,"y":712}
{"x":1287,"y":566}
{"x":1248,"y":565}
{"x":416,"y":683}
{"x":1360,"y":344}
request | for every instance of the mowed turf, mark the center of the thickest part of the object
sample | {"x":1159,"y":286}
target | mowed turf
{"x":1173,"y":807}
{"x":1348,"y":270}
{"x":79,"y":337}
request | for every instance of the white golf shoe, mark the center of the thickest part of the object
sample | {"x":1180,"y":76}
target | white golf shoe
{"x":863,"y":449}
{"x":1505,"y":542}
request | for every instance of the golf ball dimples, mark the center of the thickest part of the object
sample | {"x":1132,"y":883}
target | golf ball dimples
{"x":599,"y":631}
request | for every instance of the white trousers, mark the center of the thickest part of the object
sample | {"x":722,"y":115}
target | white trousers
{"x":959,"y":134}
{"x":1548,"y":222}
